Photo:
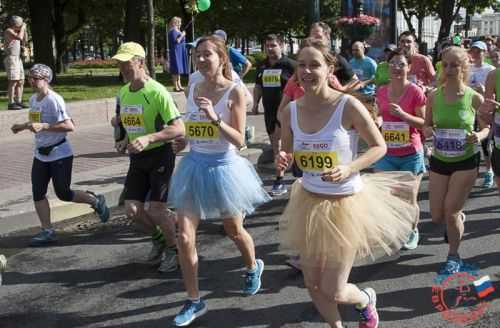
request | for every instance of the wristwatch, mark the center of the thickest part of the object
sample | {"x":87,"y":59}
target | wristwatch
{"x":217,"y":121}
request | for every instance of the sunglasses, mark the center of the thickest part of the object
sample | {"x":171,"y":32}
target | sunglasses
{"x":35,"y":78}
{"x":397,"y":65}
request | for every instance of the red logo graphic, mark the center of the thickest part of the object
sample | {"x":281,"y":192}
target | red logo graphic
{"x":458,"y":300}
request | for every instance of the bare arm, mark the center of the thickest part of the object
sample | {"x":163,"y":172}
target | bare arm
{"x":246,"y":68}
{"x":359,"y":118}
{"x":235,"y":131}
{"x":417,"y":121}
{"x":20,"y":35}
{"x":477,"y":101}
{"x":173,"y":130}
{"x":285,"y":156}
{"x":285,"y":100}
{"x":428,"y":128}
{"x":257,"y":94}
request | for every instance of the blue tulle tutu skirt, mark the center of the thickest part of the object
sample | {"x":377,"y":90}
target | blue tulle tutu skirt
{"x":215,"y":186}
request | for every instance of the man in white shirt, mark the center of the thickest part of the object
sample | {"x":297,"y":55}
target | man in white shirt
{"x":478,"y":73}
{"x":479,"y":69}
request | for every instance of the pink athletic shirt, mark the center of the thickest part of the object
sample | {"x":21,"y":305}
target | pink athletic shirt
{"x":401,"y":138}
{"x":293,"y":89}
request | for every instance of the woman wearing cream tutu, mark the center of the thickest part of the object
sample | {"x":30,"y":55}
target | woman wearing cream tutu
{"x":212,"y":181}
{"x":335,"y":216}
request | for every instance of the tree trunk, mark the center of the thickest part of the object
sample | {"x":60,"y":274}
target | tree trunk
{"x":101,"y":47}
{"x":420,"y":28}
{"x":151,"y":39}
{"x":407,"y":18}
{"x":133,"y":15}
{"x":42,"y":32}
{"x":60,"y":35}
{"x":448,"y":13}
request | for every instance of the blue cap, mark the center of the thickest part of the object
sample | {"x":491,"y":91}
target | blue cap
{"x":480,"y":45}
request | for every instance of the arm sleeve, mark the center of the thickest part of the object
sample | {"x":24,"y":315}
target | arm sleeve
{"x":166,"y":107}
{"x":237,"y":57}
{"x":59,"y":107}
{"x":430,"y":69}
{"x":289,"y":88}
{"x":373,"y":68}
{"x":420,"y":98}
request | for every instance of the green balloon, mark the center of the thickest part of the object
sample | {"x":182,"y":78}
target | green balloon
{"x":203,"y":5}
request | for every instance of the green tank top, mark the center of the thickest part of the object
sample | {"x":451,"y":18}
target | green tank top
{"x":453,"y":122}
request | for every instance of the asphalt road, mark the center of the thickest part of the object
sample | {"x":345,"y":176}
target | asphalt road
{"x":95,"y":277}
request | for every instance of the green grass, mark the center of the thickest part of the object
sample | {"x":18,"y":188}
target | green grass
{"x":87,"y":84}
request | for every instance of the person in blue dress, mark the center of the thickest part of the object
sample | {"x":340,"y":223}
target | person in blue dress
{"x":177,"y":52}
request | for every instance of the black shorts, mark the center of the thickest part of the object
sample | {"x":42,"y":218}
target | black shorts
{"x":271,"y":119}
{"x":447,"y":168}
{"x":149,"y":175}
{"x":495,"y":161}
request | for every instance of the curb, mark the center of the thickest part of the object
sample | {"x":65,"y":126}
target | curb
{"x":25,"y":217}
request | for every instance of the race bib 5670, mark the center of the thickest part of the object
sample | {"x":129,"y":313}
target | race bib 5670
{"x":201,"y":130}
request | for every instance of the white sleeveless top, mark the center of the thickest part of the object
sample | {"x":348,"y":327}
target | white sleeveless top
{"x":203,"y":136}
{"x":315,"y":153}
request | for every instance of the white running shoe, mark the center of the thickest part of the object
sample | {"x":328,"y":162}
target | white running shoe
{"x":3,"y":266}
{"x":155,"y":254}
{"x":168,"y":261}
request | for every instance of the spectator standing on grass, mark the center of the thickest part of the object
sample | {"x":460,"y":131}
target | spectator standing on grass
{"x":177,"y":53}
{"x":14,"y":37}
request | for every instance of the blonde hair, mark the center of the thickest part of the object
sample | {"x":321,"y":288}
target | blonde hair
{"x":461,"y":53}
{"x":174,"y":20}
{"x":220,"y":49}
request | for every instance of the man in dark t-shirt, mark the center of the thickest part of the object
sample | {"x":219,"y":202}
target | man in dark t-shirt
{"x":272,"y":76}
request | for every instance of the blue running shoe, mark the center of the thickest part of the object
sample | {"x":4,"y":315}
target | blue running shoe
{"x":452,"y":265}
{"x":100,"y":207}
{"x":488,"y":180}
{"x":252,"y":279}
{"x":44,"y":237}
{"x":190,"y":311}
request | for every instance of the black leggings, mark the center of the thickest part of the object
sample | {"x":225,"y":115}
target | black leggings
{"x":60,"y":173}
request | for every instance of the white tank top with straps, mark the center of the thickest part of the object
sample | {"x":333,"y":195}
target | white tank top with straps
{"x":315,"y":153}
{"x":203,"y":136}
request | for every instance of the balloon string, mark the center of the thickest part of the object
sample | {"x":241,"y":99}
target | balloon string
{"x":187,"y":25}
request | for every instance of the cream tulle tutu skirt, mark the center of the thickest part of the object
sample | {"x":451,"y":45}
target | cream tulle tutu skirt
{"x":372,"y":223}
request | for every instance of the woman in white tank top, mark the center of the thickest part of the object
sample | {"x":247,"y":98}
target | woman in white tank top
{"x":212,"y":181}
{"x":335,"y":216}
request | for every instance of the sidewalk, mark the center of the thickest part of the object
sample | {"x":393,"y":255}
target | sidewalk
{"x":96,"y":167}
